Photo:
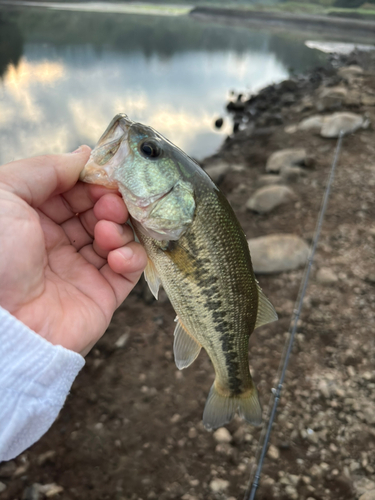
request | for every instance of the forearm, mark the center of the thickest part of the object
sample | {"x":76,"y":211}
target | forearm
{"x":35,"y":378}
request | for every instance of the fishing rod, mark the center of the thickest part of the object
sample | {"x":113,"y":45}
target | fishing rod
{"x":276,"y":392}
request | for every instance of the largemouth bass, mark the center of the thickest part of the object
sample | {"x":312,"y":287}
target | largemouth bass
{"x":197,"y":251}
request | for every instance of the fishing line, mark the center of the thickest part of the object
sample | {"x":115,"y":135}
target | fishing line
{"x":276,"y":392}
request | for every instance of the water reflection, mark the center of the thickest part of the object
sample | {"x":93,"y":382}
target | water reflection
{"x":79,"y":69}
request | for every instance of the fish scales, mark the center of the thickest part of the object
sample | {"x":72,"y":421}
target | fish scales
{"x":197,"y":251}
{"x":208,"y":276}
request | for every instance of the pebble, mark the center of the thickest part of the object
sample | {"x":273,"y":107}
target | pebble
{"x":122,"y":340}
{"x":369,"y":413}
{"x":176,"y":418}
{"x":273,"y":452}
{"x":192,"y":434}
{"x":267,"y":198}
{"x":291,"y":492}
{"x":284,"y":158}
{"x":276,"y":253}
{"x":218,"y":485}
{"x":326,"y":276}
{"x":222,"y":435}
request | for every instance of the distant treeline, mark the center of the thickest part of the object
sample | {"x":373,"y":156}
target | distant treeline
{"x":150,"y":35}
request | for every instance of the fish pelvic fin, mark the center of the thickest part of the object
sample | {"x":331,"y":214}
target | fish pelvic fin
{"x":220,"y":409}
{"x":266,"y":312}
{"x":185,"y":347}
{"x":152,"y":278}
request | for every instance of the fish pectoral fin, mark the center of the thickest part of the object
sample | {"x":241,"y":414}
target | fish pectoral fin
{"x":266,"y":312}
{"x":185,"y":347}
{"x":152,"y":278}
{"x":220,"y":409}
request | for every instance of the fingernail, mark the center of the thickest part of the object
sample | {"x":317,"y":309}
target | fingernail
{"x":79,"y":150}
{"x":126,"y":252}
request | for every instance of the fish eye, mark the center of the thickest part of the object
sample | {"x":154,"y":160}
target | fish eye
{"x":150,"y":149}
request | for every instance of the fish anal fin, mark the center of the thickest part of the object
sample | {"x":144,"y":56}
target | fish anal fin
{"x":152,"y":278}
{"x":185,"y":347}
{"x":221,"y":408}
{"x":266,"y":312}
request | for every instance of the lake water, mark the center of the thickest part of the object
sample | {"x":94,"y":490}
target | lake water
{"x":65,"y":74}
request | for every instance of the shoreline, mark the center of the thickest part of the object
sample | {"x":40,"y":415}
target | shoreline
{"x":281,"y":20}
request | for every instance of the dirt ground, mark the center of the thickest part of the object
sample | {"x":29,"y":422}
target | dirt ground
{"x":131,"y":427}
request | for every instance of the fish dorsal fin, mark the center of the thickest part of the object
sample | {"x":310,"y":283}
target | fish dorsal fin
{"x":266,"y":312}
{"x":185,"y":347}
{"x":152,"y":278}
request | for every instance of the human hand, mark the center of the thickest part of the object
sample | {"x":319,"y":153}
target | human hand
{"x":67,"y":259}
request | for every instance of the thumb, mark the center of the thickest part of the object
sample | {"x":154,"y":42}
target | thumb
{"x":37,"y":179}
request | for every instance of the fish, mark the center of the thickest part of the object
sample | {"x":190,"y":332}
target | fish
{"x":197,"y":251}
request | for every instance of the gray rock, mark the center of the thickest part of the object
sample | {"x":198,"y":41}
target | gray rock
{"x":217,"y":171}
{"x":369,"y":495}
{"x":269,"y":180}
{"x":267,"y":198}
{"x":277,"y":253}
{"x":3,"y":487}
{"x":364,"y":485}
{"x":330,"y":126}
{"x":350,"y":73}
{"x":331,"y":98}
{"x":285,"y":158}
{"x":326,"y":276}
{"x":313,"y":123}
{"x":368,"y":100}
{"x":292,"y":174}
{"x":346,"y":123}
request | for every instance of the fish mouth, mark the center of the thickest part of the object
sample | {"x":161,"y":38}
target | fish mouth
{"x":110,"y":151}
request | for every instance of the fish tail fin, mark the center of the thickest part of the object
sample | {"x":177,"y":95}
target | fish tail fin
{"x":220,"y":409}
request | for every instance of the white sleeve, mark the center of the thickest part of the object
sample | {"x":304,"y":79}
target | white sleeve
{"x":35,"y":378}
